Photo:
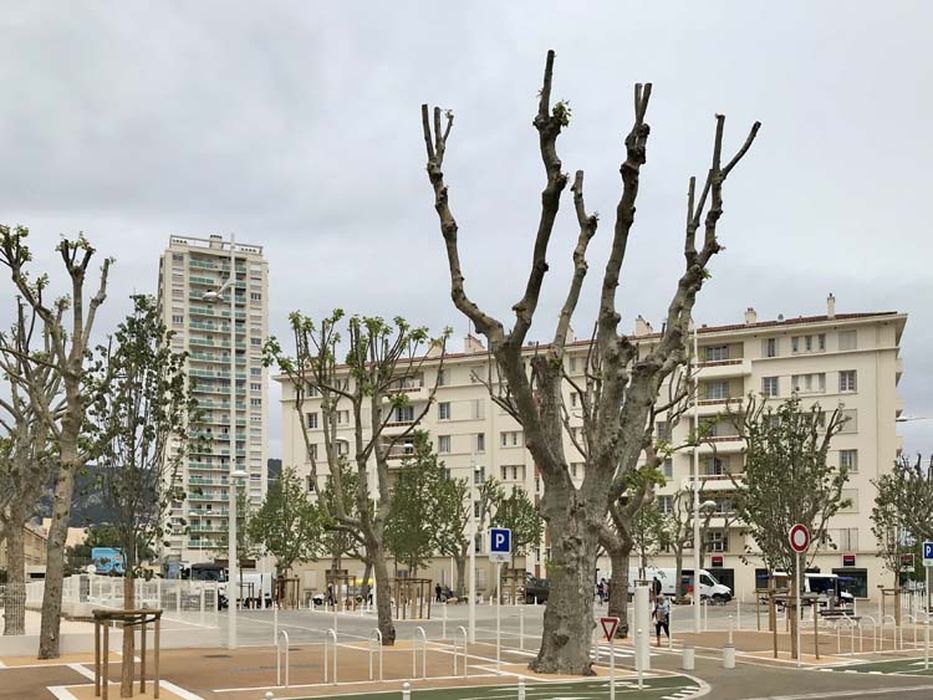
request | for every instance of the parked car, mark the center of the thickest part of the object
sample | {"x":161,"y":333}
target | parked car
{"x":536,"y":589}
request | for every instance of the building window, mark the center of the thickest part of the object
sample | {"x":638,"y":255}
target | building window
{"x":848,"y":340}
{"x":666,"y":504}
{"x":255,"y":296}
{"x":405,"y":414}
{"x":714,"y":467}
{"x":443,"y":443}
{"x":442,"y":377}
{"x":443,"y":410}
{"x":716,"y":541}
{"x":663,"y":430}
{"x":178,"y":320}
{"x":572,"y":364}
{"x":510,"y":438}
{"x":312,"y":450}
{"x":667,"y":468}
{"x":343,"y":417}
{"x":850,"y":421}
{"x":311,"y":421}
{"x":847,"y":380}
{"x":854,"y":581}
{"x":845,"y":539}
{"x":848,"y":459}
{"x":717,"y":353}
{"x":479,"y":475}
{"x":769,"y":347}
{"x":574,"y":396}
{"x":480,"y":442}
{"x":478,"y":409}
{"x":769,"y":386}
{"x":809,"y":383}
{"x":717,"y":390}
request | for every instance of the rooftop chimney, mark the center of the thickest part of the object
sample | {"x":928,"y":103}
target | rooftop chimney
{"x":751,"y":316}
{"x":473,"y":344}
{"x":831,"y":306}
{"x":642,"y":327}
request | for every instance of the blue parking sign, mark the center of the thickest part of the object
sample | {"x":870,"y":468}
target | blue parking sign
{"x":500,"y":544}
{"x":928,"y":553}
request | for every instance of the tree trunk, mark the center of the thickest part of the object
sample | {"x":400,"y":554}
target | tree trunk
{"x":58,"y":532}
{"x":383,"y":595}
{"x":678,"y":575}
{"x":568,"y":617}
{"x":14,"y":596}
{"x":367,"y":574}
{"x":460,"y":562}
{"x":618,"y":589}
{"x":129,"y":640}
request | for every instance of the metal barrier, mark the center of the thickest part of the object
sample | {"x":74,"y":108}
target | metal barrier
{"x":419,"y":632}
{"x":461,"y":631}
{"x":884,"y":619}
{"x":278,"y":659}
{"x":330,"y":637}
{"x":874,"y":632}
{"x":375,"y":636}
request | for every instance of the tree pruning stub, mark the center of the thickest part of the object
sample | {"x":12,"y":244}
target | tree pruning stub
{"x":799,"y":537}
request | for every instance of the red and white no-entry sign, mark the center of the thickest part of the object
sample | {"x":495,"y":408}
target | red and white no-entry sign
{"x":799,"y":537}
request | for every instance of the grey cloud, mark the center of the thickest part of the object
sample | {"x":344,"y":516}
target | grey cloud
{"x":295,"y":125}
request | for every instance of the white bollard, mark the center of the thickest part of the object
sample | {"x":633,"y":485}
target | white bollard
{"x":688,"y":658}
{"x":641,"y":673}
{"x":269,"y":696}
{"x":728,"y":656}
{"x":521,"y":688}
{"x":521,"y":627}
{"x":406,"y":691}
{"x":275,"y":624}
{"x":706,"y":616}
{"x":444,"y":623}
{"x":730,"y":630}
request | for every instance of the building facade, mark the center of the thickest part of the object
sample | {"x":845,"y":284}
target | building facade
{"x":227,"y":377}
{"x":35,"y":546}
{"x":847,"y":360}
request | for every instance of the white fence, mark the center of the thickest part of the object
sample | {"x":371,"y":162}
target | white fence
{"x":82,"y":593}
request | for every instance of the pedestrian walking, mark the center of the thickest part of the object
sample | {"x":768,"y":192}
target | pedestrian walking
{"x":662,"y":617}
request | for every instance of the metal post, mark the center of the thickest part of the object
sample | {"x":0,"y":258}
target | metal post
{"x":696,"y":491}
{"x":612,"y":665}
{"x":797,"y":607}
{"x":275,"y":622}
{"x":444,"y":623}
{"x":471,"y":579}
{"x":738,"y":614}
{"x":521,"y":688}
{"x":521,"y":627}
{"x":498,"y":615}
{"x":231,"y":492}
{"x":730,"y":629}
{"x":406,"y":691}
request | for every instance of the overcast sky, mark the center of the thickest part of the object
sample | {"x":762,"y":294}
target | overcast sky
{"x":296,"y":126}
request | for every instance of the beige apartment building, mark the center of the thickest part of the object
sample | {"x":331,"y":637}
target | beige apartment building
{"x":849,"y":360}
{"x":195,"y":305}
{"x":35,"y":544}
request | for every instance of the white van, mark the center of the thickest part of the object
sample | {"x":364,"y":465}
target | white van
{"x":709,"y":586}
{"x":827,"y":586}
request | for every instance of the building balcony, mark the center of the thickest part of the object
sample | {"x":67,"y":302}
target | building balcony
{"x":714,"y":369}
{"x":721,"y":443}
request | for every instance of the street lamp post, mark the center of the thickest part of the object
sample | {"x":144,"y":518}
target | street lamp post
{"x":232,"y":559}
{"x":696,"y":486}
{"x":471,"y":606}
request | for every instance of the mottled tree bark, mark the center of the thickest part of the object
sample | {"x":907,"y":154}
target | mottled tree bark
{"x":14,"y":597}
{"x":621,"y":383}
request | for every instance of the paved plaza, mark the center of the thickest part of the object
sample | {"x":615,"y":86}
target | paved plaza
{"x":429,"y":655}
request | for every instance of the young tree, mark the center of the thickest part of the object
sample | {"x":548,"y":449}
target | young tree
{"x":410,"y":526}
{"x":518,"y":513}
{"x":901,"y":513}
{"x":26,"y":459}
{"x":649,"y":533}
{"x":455,"y":512}
{"x":788,"y":478}
{"x":69,"y":342}
{"x":621,"y":383}
{"x":338,"y":540}
{"x":383,"y":360}
{"x":142,"y":423}
{"x":288,"y":525}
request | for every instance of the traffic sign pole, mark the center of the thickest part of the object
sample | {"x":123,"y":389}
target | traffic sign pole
{"x":612,"y":668}
{"x":799,"y":607}
{"x":498,"y":615}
